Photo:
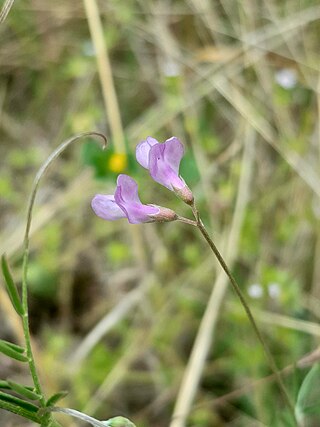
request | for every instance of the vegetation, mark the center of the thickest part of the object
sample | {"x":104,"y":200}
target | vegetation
{"x":140,"y":321}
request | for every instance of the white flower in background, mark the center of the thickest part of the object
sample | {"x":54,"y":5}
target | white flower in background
{"x":255,"y":291}
{"x":286,"y":78}
{"x":274,"y":290}
{"x":170,"y":68}
{"x":88,"y":48}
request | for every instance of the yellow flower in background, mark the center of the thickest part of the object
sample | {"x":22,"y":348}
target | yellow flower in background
{"x":118,"y":162}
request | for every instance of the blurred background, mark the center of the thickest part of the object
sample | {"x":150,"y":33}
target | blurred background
{"x":115,"y":308}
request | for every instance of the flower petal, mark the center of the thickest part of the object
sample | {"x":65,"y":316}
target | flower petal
{"x":143,"y":150}
{"x":105,"y":207}
{"x":173,"y":153}
{"x":165,"y":171}
{"x":126,"y":196}
{"x":129,"y":189}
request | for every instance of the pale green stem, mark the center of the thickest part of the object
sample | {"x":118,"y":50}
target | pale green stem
{"x":26,"y":330}
{"x":25,"y":318}
{"x":246,"y":307}
{"x":187,"y":221}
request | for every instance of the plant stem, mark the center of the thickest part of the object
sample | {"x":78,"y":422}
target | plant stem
{"x":187,"y":221}
{"x":47,"y":419}
{"x":26,"y":330}
{"x":246,"y":307}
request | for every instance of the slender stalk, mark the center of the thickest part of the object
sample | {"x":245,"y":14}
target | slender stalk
{"x":246,"y":307}
{"x":26,"y":331}
{"x":206,"y":334}
{"x":47,"y":418}
{"x":187,"y":221}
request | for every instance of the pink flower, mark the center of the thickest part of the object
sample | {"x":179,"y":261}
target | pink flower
{"x":163,"y":162}
{"x":125,"y":203}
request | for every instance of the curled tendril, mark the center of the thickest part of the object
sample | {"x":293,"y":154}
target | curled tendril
{"x":33,"y":194}
{"x":43,"y":170}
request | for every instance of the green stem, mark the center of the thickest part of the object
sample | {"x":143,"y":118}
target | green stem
{"x":47,"y":419}
{"x":26,"y":330}
{"x":245,"y":305}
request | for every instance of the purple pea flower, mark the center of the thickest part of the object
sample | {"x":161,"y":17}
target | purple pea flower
{"x":163,"y":162}
{"x":125,"y":203}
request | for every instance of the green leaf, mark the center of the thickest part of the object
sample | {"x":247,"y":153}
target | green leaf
{"x":24,"y":391}
{"x":4,"y":384}
{"x":20,"y":407}
{"x":14,"y":347}
{"x":5,"y":397}
{"x":7,"y":349}
{"x":308,"y":400}
{"x":55,"y":398}
{"x":11,"y":287}
{"x":16,"y":409}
